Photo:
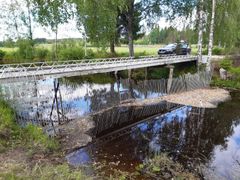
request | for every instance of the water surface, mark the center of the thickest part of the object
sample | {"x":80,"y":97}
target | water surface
{"x":192,"y":136}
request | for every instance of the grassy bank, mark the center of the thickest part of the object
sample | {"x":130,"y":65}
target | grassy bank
{"x":233,"y":75}
{"x":26,"y":153}
{"x":13,"y":136}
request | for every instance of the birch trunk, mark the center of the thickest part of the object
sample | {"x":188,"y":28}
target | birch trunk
{"x":29,"y":21}
{"x":130,"y":27}
{"x":56,"y":44}
{"x":200,"y":32}
{"x":210,"y":46}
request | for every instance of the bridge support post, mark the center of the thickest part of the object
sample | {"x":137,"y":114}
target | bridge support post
{"x":146,"y":73}
{"x":130,"y":74}
{"x":170,"y":78}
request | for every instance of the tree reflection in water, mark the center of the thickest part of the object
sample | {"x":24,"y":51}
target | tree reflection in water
{"x":192,"y":136}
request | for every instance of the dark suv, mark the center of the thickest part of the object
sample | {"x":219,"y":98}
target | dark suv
{"x":181,"y":48}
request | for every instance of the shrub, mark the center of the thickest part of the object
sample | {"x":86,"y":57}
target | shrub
{"x":2,"y":54}
{"x":11,"y":56}
{"x":90,"y":54}
{"x":8,"y":128}
{"x":217,"y":51}
{"x":35,"y":137}
{"x":226,"y":64}
{"x":25,"y":49}
{"x":236,"y":72}
{"x":205,"y":51}
{"x":41,"y":53}
{"x":73,"y":53}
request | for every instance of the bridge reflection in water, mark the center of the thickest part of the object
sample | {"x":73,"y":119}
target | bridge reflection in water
{"x":199,"y":138}
{"x":61,"y":100}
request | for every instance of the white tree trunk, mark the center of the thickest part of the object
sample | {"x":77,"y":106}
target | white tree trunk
{"x":210,"y":46}
{"x":200,"y":31}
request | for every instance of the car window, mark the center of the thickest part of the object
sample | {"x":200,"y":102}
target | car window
{"x":170,"y":46}
{"x":184,"y":45}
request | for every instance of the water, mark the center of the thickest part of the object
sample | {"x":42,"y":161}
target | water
{"x":43,"y":102}
{"x":195,"y":137}
{"x":77,"y":96}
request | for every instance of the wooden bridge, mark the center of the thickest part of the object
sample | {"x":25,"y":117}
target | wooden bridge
{"x":58,"y":69}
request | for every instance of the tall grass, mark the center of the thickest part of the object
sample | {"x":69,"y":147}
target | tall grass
{"x":11,"y":134}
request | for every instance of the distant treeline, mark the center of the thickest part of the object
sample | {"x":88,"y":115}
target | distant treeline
{"x":9,"y":43}
{"x":168,"y":35}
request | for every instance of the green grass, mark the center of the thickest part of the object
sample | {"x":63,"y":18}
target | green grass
{"x":44,"y":172}
{"x":121,"y":50}
{"x":8,"y":49}
{"x":12,"y":135}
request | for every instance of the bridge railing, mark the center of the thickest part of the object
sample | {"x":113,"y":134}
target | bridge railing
{"x":85,"y":64}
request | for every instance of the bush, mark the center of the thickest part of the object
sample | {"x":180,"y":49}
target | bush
{"x":74,"y":53}
{"x":41,"y":53}
{"x":217,"y":51}
{"x":11,"y":56}
{"x":35,"y":137}
{"x":90,"y":54}
{"x":2,"y":54}
{"x":205,"y":52}
{"x":226,"y":64}
{"x":25,"y":49}
{"x":8,"y":128}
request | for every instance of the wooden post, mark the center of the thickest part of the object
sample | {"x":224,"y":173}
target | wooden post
{"x":170,"y":78}
{"x":145,"y":82}
{"x":146,"y":73}
{"x":130,"y":74}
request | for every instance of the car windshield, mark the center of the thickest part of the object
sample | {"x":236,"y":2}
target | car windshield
{"x":184,"y":45}
{"x":170,"y":46}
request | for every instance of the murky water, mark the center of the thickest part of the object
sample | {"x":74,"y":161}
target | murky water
{"x":76,"y":97}
{"x":192,"y":136}
{"x":66,"y":99}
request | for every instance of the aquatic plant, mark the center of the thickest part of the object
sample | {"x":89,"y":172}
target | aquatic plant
{"x":163,"y":167}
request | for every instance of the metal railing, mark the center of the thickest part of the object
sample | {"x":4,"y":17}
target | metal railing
{"x":8,"y":71}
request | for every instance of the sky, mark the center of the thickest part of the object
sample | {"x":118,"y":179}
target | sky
{"x":68,"y":30}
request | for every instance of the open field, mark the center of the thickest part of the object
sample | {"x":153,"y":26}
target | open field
{"x":123,"y":49}
{"x":148,"y":49}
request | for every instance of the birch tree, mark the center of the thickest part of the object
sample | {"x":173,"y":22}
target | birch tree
{"x":200,"y":30}
{"x":52,"y":14}
{"x":211,"y":34}
{"x":9,"y":16}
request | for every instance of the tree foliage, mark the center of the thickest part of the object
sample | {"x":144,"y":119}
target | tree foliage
{"x":99,"y":19}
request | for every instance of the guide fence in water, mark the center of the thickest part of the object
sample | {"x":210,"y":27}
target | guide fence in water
{"x":41,"y":102}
